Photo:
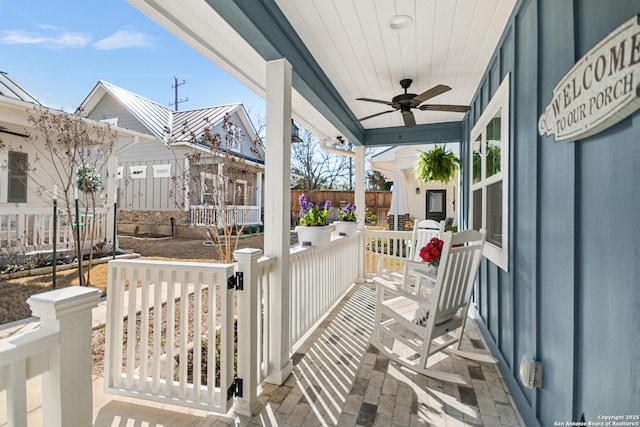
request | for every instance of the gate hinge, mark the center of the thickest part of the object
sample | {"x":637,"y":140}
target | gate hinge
{"x":236,"y":388}
{"x":236,"y":281}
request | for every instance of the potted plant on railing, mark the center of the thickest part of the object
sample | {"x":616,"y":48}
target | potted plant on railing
{"x":313,"y":229}
{"x":347,"y":223}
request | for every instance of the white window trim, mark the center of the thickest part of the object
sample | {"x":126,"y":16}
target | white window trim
{"x":499,"y":101}
{"x":138,"y":172}
{"x":162,"y":171}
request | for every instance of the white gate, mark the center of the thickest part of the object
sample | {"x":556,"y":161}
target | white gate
{"x":170,"y":338}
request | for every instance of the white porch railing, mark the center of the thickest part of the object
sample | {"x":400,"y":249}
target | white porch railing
{"x":33,"y":227}
{"x":385,"y":249}
{"x":202,"y":215}
{"x":153,"y":365}
{"x":59,"y":351}
{"x":319,"y":278}
{"x":156,"y":364}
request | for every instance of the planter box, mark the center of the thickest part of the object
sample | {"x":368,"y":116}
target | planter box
{"x":314,"y":236}
{"x":345,"y":228}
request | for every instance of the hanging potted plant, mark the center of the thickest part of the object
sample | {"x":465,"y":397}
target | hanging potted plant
{"x":437,"y":164}
{"x":313,"y":229}
{"x":347,"y":223}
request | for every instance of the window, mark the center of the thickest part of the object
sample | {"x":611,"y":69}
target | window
{"x":489,"y":202}
{"x":138,"y":172}
{"x":162,"y":171}
{"x":18,"y":166}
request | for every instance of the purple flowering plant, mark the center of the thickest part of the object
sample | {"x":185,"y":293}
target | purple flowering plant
{"x":348,"y":213}
{"x":312,"y":214}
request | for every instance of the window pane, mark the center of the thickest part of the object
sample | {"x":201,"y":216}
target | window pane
{"x":18,"y":166}
{"x":477,"y":159}
{"x":494,"y":213}
{"x":435,"y":202}
{"x":477,"y":209}
{"x":494,"y":142}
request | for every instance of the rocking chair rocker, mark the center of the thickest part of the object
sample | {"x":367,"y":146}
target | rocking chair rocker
{"x":431,"y":316}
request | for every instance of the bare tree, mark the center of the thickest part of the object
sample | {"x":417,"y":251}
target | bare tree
{"x":71,"y":152}
{"x":221,"y":176}
{"x":315,"y":168}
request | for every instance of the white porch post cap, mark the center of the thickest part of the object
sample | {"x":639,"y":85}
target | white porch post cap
{"x":247,"y":253}
{"x":59,"y":303}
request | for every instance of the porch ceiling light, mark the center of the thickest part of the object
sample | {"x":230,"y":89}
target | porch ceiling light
{"x":399,"y":22}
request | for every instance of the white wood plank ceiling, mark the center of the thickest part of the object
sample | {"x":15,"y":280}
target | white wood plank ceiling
{"x":447,"y":42}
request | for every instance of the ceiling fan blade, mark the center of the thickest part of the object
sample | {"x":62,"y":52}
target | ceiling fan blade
{"x":379,"y":101}
{"x":441,"y":107}
{"x":409,"y":119}
{"x":376,"y":114}
{"x":434,"y":91}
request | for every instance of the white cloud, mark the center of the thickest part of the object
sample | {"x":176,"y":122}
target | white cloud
{"x":60,"y":40}
{"x":124,"y":39}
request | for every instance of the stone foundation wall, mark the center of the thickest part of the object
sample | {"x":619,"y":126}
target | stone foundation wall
{"x":153,"y":222}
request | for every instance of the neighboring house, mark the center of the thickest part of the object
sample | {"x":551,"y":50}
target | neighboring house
{"x":28,"y":176}
{"x":435,"y":200}
{"x":154,"y":191}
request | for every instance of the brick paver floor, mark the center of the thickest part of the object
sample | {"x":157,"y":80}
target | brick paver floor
{"x":340,"y":379}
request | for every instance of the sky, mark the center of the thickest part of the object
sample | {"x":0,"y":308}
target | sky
{"x":59,"y":49}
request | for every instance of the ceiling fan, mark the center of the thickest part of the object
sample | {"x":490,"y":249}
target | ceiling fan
{"x":406,"y":101}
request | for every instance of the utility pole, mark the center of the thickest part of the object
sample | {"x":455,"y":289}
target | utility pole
{"x":175,"y":88}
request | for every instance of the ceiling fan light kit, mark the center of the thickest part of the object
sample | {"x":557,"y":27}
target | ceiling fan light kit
{"x":406,"y":101}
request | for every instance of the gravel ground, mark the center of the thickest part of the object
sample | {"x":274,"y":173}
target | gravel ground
{"x":174,"y":248}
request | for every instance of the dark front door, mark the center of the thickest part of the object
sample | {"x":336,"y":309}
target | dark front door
{"x":436,"y":204}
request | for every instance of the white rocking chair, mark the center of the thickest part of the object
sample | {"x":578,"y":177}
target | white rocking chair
{"x":429,"y":322}
{"x":423,"y":231}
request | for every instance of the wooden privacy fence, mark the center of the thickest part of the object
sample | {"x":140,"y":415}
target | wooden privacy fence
{"x":377,"y":202}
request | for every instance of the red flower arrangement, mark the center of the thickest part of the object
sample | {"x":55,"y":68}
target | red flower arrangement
{"x":431,"y":253}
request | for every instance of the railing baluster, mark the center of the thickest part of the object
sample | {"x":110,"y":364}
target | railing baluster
{"x":16,"y":376}
{"x":159,"y":285}
{"x":197,"y":335}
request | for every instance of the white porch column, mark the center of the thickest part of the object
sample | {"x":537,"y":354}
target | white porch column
{"x":360,"y":186}
{"x":360,"y":201}
{"x":277,"y":213}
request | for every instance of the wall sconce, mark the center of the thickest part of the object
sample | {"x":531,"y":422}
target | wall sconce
{"x":417,"y":190}
{"x":295,"y":132}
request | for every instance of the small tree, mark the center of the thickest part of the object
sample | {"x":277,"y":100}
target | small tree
{"x":69,"y":151}
{"x":220,"y":177}
{"x":376,"y":181}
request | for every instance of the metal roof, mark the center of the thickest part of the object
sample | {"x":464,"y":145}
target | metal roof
{"x":166,"y":124}
{"x":12,"y":89}
{"x":197,"y":120}
{"x":156,"y":117}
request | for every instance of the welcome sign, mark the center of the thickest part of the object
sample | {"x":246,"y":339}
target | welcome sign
{"x":600,"y":90}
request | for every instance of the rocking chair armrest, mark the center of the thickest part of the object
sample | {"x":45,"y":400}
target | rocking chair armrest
{"x":386,"y":285}
{"x":430,"y":278}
